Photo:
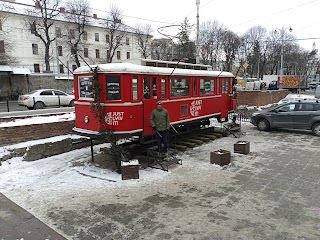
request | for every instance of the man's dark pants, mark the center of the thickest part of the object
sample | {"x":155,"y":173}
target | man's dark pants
{"x":162,"y":138}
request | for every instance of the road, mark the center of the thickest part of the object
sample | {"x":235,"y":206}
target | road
{"x":16,"y":110}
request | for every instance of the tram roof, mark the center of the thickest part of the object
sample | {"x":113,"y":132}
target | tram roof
{"x":138,"y":69}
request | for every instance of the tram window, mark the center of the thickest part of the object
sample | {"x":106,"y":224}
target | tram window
{"x":135,"y":88}
{"x":179,"y":87}
{"x":163,"y":88}
{"x":85,"y":87}
{"x":113,"y":88}
{"x":225,"y":85}
{"x":206,"y":86}
{"x":146,"y":88}
{"x":154,"y":87}
{"x":195,"y":87}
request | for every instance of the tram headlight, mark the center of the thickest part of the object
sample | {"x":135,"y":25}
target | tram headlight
{"x":86,"y":119}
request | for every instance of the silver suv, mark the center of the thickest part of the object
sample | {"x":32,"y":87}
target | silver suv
{"x":293,"y":115}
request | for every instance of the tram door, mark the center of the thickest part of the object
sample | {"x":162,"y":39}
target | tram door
{"x":150,"y":98}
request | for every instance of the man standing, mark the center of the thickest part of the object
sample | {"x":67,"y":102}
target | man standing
{"x":160,"y":123}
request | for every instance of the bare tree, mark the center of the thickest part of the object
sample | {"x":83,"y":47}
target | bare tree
{"x":6,"y":44}
{"x":77,"y":13}
{"x":115,"y":31}
{"x":185,"y":47}
{"x":40,"y":21}
{"x":231,"y":43}
{"x":143,"y":38}
{"x":211,"y":34}
{"x":163,"y":49}
{"x":255,"y":51}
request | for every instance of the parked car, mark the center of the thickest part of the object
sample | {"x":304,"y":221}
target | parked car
{"x":41,"y":98}
{"x":292,"y":115}
{"x":296,"y":97}
{"x":313,"y":85}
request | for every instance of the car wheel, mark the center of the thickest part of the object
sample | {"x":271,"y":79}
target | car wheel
{"x":263,"y":125}
{"x":71,"y":104}
{"x":316,"y":129}
{"x":39,"y":105}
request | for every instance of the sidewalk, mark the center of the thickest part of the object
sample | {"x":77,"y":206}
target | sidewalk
{"x":17,"y":223}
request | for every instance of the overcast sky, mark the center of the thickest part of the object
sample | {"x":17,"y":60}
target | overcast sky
{"x":302,"y":15}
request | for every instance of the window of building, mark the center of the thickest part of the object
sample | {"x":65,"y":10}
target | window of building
{"x":74,"y":67}
{"x":97,"y":53}
{"x":86,"y":87}
{"x":36,"y":68}
{"x":108,"y":54}
{"x":74,"y":50}
{"x":2,"y":46}
{"x":134,"y":88}
{"x":107,"y":38}
{"x":118,"y":55}
{"x":86,"y":52}
{"x":118,"y":38}
{"x":0,"y":25}
{"x":113,"y":88}
{"x":128,"y":55}
{"x":72,"y":33}
{"x":96,"y":37}
{"x":61,"y":68}
{"x":179,"y":87}
{"x":58,"y":32}
{"x":206,"y":86}
{"x":33,"y":28}
{"x":60,"y":51}
{"x":35,"y":49}
{"x":127,"y":41}
{"x":85,"y":35}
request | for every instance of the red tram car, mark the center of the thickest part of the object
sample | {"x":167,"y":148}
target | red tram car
{"x":130,"y":93}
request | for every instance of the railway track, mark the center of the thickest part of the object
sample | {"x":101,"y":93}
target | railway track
{"x":147,"y":153}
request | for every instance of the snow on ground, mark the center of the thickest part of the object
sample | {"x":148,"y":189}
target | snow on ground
{"x":39,"y":120}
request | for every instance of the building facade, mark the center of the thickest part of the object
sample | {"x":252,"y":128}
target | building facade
{"x":25,"y":50}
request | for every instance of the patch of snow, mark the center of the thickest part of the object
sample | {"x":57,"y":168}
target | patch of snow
{"x":39,"y":120}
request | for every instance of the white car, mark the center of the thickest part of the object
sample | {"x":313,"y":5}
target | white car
{"x":41,"y":98}
{"x":295,"y":97}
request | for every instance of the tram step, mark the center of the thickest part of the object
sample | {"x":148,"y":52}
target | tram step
{"x":211,"y":137}
{"x":203,"y":139}
{"x":188,"y":144}
{"x":179,"y":147}
{"x":198,"y":142}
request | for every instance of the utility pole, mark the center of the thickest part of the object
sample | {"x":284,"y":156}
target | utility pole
{"x":197,"y":41}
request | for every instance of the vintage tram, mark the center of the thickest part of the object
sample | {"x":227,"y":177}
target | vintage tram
{"x":129,"y":92}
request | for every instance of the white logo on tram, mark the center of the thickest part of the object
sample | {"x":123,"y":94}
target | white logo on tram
{"x":113,"y":118}
{"x":195,"y":107}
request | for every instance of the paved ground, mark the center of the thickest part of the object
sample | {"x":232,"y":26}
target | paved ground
{"x":272,"y":193}
{"x":17,"y":223}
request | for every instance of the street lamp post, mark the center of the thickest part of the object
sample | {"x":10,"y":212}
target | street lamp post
{"x":282,"y":31}
{"x":197,"y":43}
